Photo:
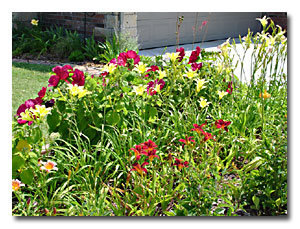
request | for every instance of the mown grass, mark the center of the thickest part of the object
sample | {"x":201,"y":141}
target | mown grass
{"x":27,"y":80}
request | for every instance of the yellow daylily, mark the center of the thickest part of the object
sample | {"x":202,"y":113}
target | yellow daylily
{"x":110,"y":68}
{"x":173,"y":56}
{"x":141,"y":68}
{"x":77,"y":90}
{"x":200,"y":83}
{"x":40,"y":111}
{"x":162,"y":74}
{"x":222,"y":94}
{"x":27,"y":115}
{"x":139,"y":90}
{"x":203,"y":103}
{"x":263,"y":21}
{"x":34,"y":22}
{"x":190,"y":74}
{"x":157,"y":88}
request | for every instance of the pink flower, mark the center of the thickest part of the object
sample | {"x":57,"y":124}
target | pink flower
{"x":230,"y":89}
{"x":48,"y":166}
{"x":204,"y":23}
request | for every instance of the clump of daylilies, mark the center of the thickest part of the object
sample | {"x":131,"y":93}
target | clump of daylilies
{"x":148,"y":149}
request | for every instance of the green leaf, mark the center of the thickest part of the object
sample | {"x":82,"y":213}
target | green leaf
{"x":256,"y":162}
{"x":256,"y":201}
{"x":35,"y":136}
{"x":53,"y":120}
{"x":17,"y":162}
{"x":278,"y":202}
{"x":26,"y":176}
{"x":112,"y":117}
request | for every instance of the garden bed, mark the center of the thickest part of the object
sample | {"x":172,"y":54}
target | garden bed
{"x":175,"y":136}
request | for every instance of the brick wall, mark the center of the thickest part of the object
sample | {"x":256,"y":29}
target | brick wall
{"x":83,"y":23}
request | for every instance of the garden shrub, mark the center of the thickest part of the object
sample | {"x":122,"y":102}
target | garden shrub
{"x":180,"y":135}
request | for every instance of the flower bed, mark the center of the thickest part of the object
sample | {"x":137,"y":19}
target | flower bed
{"x":175,"y":136}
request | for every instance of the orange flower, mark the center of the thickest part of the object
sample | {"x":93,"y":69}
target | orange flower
{"x":266,"y":95}
{"x":16,"y":184}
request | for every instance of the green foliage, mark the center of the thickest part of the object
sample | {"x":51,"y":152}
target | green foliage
{"x":76,"y":56}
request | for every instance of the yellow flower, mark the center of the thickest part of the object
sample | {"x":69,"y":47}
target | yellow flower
{"x":173,"y":56}
{"x":263,"y":21}
{"x":40,"y":111}
{"x":191,"y":74}
{"x":157,"y":88}
{"x":266,"y":95}
{"x":16,"y":185}
{"x":141,"y":68}
{"x":77,"y":90}
{"x":222,"y":94}
{"x":203,"y":102}
{"x":139,"y":90}
{"x":200,"y":84}
{"x":23,"y":145}
{"x":162,"y":74}
{"x":34,"y":22}
{"x":27,"y":115}
{"x":110,"y":68}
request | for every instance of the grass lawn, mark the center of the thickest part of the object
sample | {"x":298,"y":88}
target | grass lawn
{"x":27,"y":80}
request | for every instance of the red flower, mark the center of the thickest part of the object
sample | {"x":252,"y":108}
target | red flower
{"x":42,"y":92}
{"x":53,"y":81}
{"x":148,"y":145}
{"x":151,"y":154}
{"x":187,"y":141}
{"x":130,"y":54}
{"x":181,"y":53}
{"x":194,"y":55}
{"x":139,"y":168}
{"x":153,"y":68}
{"x":196,"y":66}
{"x":180,"y":163}
{"x":78,"y":78}
{"x":137,"y":151}
{"x":220,"y":124}
{"x":229,"y":90}
{"x":198,"y":128}
{"x":208,"y":136}
{"x":152,"y":85}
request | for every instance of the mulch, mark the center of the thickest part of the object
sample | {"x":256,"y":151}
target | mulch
{"x":88,"y":67}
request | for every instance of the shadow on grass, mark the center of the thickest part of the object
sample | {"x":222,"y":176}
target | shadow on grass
{"x":34,"y":67}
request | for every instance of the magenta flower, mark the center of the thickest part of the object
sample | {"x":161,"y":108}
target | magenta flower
{"x":78,"y":78}
{"x":124,"y":56}
{"x":27,"y":105}
{"x":196,"y":66}
{"x":181,"y":53}
{"x":152,"y":85}
{"x":194,"y":55}
{"x":153,"y":68}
